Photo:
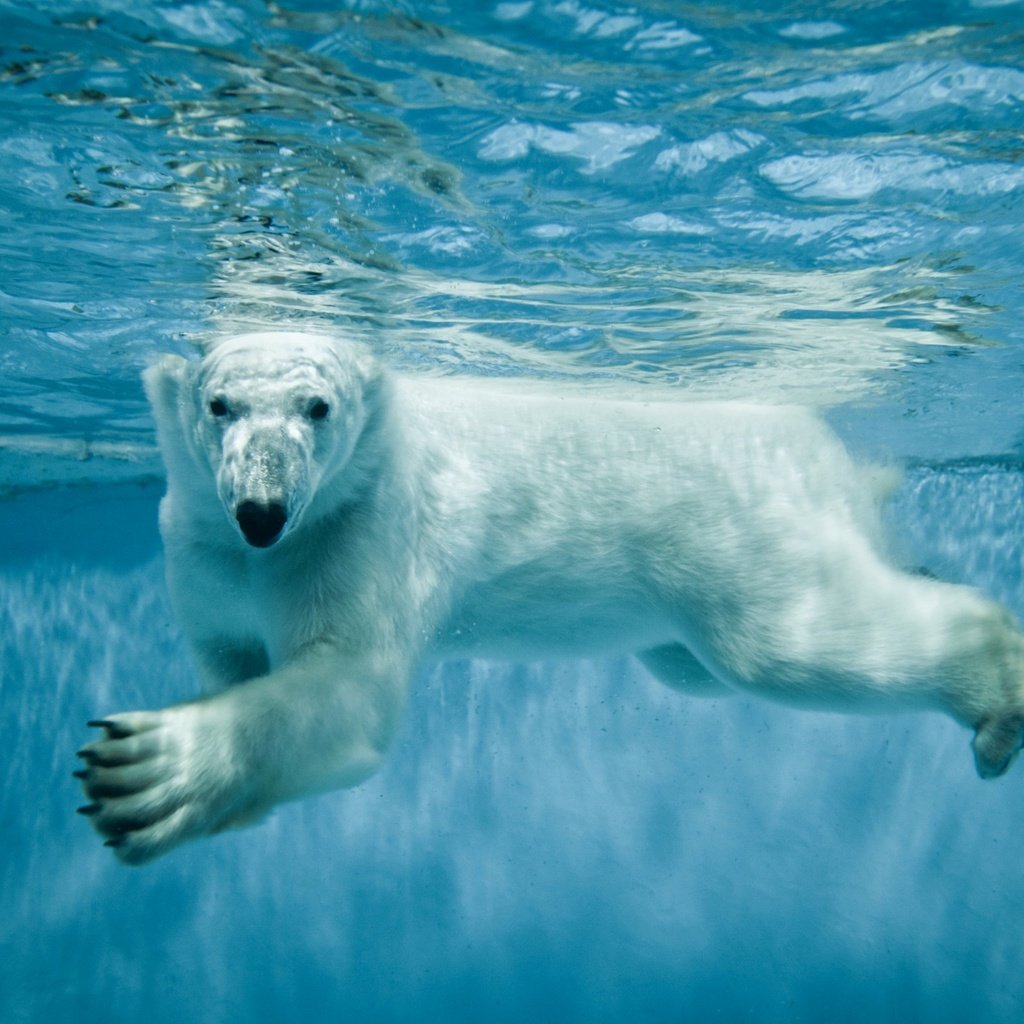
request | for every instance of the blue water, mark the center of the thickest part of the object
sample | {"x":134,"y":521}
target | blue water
{"x":814,"y":203}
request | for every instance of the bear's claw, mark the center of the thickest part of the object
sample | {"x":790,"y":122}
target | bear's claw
{"x":147,"y":781}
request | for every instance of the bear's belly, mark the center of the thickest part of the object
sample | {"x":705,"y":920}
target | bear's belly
{"x":562,"y":622}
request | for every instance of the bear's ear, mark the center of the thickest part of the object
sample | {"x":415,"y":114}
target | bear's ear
{"x":163,"y":381}
{"x":370,"y":373}
{"x":166,"y":383}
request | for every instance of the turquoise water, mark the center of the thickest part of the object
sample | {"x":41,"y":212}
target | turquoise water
{"x":785,"y":202}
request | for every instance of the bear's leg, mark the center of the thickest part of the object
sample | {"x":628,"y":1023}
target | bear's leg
{"x":675,"y":666}
{"x":842,"y":630}
{"x":158,"y":778}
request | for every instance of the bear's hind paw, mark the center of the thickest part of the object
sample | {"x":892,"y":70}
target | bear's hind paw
{"x":996,"y":744}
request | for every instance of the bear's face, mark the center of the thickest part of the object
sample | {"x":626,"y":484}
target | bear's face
{"x":275,"y":414}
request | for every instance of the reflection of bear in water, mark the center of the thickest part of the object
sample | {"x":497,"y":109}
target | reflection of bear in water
{"x":329,"y":527}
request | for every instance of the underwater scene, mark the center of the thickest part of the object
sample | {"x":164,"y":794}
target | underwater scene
{"x":786,"y":203}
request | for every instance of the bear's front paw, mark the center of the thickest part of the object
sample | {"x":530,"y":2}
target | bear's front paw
{"x":160,"y":778}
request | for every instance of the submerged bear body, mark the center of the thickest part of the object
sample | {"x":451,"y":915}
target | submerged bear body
{"x":329,"y":527}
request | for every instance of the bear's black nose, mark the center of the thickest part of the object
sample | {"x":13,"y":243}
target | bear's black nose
{"x":261,"y":524}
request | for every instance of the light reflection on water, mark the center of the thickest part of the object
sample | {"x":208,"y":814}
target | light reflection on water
{"x":645,"y":194}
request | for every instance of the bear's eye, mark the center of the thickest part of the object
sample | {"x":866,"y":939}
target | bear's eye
{"x":319,"y":409}
{"x":218,"y":407}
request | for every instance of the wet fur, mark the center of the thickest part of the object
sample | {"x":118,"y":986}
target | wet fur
{"x":729,"y":546}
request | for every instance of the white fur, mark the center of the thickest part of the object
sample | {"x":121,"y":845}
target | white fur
{"x":730,"y":546}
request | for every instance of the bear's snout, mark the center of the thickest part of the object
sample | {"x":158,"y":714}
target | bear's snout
{"x":260,"y":524}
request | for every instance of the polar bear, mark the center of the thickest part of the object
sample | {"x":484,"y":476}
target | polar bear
{"x":330,"y":526}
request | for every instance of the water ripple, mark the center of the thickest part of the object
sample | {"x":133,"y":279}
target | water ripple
{"x":725,"y":200}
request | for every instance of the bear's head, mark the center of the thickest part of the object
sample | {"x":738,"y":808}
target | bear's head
{"x":270,"y":417}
